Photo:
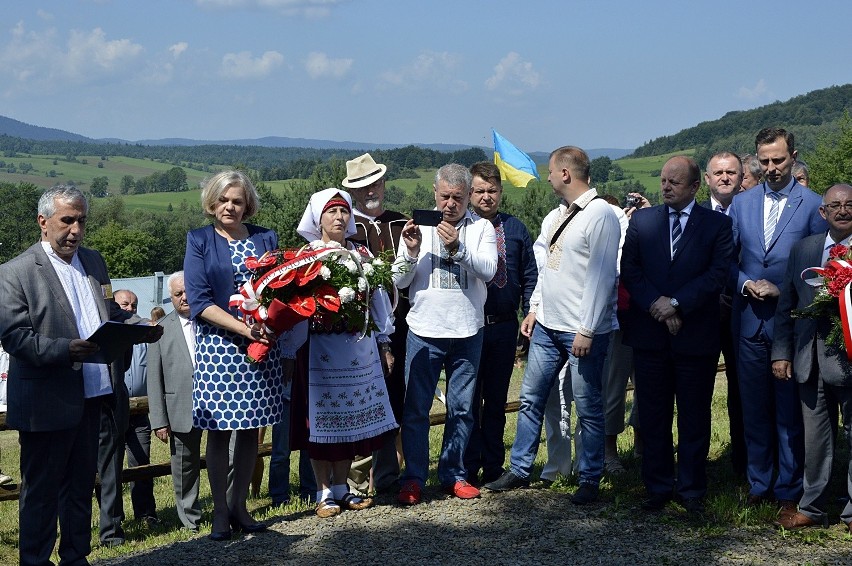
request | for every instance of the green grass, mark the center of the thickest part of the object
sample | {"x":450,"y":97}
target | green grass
{"x":621,"y":494}
{"x":114,"y":168}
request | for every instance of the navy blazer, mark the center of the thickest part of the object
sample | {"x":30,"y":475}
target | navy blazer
{"x":208,"y":273}
{"x":756,"y":259}
{"x":802,"y":340}
{"x":695,"y":277}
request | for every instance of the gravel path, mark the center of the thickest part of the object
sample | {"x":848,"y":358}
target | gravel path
{"x":524,"y":526}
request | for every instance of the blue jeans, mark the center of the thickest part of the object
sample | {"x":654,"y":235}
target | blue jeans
{"x":425,"y":358}
{"x":279,"y":465}
{"x":549,"y":351}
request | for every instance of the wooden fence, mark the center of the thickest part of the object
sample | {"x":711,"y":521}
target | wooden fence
{"x":139,"y":406}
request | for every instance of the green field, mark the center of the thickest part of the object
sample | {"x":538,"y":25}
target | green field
{"x":49,"y":170}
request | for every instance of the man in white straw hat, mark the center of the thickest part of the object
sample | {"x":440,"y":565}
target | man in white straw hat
{"x":379,"y":230}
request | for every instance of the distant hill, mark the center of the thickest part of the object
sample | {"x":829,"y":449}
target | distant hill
{"x":808,"y":116}
{"x":18,"y":129}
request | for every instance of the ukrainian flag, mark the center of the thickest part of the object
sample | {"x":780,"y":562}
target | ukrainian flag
{"x":515,"y":166}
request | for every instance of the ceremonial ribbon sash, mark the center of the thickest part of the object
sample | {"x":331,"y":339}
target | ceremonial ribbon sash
{"x":844,"y":300}
{"x":280,"y":316}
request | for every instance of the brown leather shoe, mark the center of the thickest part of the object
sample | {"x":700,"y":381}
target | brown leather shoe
{"x":795,"y":521}
{"x":787,"y":507}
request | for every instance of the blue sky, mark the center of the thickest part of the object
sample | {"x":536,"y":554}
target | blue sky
{"x":543,"y":73}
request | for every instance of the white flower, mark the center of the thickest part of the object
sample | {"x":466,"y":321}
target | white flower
{"x":325,"y":272}
{"x":368,"y":269}
{"x":346,"y":294}
{"x":378,"y":261}
{"x":351,"y":266}
{"x":362,"y":284}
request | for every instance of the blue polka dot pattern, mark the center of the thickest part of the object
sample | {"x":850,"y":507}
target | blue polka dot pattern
{"x":229,"y":392}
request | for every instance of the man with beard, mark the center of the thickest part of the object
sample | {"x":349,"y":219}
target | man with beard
{"x":380,"y":230}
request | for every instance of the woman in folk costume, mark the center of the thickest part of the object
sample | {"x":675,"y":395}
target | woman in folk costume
{"x":339,"y":402}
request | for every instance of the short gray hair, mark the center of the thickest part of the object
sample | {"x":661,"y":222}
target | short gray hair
{"x":173,"y":279}
{"x":64,"y":193}
{"x":218,"y":184}
{"x":454,"y":175}
{"x":751,"y":163}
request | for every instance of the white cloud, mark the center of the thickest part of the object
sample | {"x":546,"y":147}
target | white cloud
{"x":243,"y":66}
{"x":88,"y":51}
{"x":308,"y":8}
{"x":429,"y":68}
{"x":178,"y":48}
{"x":512,"y":75}
{"x":318,"y":65}
{"x":755,"y":92}
{"x":37,"y":60}
{"x":44,"y":15}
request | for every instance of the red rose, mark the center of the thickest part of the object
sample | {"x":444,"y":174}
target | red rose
{"x":838,"y":251}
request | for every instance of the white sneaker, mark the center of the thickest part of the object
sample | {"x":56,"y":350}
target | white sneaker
{"x":4,"y":479}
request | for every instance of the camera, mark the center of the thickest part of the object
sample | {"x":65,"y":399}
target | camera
{"x":633,"y":201}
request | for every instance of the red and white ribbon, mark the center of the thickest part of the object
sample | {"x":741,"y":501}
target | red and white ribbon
{"x":844,"y":301}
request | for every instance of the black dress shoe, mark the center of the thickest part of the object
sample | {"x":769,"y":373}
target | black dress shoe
{"x":506,"y":482}
{"x":248,"y":529}
{"x":656,"y":502}
{"x":755,"y":500}
{"x":219,"y":536}
{"x":693,"y":505}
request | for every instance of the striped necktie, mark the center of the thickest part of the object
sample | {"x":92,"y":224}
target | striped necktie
{"x":677,"y":231}
{"x":772,"y":220}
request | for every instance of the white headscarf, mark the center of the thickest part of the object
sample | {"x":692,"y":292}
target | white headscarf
{"x":309,"y":225}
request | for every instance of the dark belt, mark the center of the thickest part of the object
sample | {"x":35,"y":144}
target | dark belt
{"x":497,"y":318}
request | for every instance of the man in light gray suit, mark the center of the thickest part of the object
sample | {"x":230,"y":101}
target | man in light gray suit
{"x":170,"y":365}
{"x":53,"y":294}
{"x":822,"y":371}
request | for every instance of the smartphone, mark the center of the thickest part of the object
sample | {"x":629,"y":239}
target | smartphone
{"x":427,"y":217}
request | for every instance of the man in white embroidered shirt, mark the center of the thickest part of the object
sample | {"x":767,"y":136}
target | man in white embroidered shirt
{"x":445,"y":269}
{"x":569,"y":321}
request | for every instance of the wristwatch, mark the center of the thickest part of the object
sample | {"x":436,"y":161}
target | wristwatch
{"x":674,"y":303}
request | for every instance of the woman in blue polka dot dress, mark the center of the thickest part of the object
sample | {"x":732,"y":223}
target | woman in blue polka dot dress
{"x":230,"y":394}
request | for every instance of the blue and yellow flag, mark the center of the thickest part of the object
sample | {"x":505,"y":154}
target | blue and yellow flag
{"x":515,"y":166}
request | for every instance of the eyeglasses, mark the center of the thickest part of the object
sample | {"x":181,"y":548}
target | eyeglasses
{"x":835,"y":206}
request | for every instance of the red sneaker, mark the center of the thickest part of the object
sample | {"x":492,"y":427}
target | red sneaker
{"x":409,"y":494}
{"x":462,"y":490}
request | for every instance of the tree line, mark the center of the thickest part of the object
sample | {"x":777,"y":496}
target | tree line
{"x":810,"y":116}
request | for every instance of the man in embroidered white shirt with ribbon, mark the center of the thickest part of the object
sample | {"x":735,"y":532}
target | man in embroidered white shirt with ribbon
{"x":445,"y":269}
{"x":570,"y":321}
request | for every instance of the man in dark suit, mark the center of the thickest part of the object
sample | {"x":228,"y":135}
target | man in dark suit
{"x":822,"y":371}
{"x":768,"y":220}
{"x":724,"y":177}
{"x":54,"y":293}
{"x":674,"y":264}
{"x":170,"y":367}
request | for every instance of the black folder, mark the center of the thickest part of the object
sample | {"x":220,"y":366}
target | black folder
{"x":115,"y":338}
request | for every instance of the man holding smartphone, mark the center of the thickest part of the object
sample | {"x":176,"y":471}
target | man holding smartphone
{"x":445,"y":269}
